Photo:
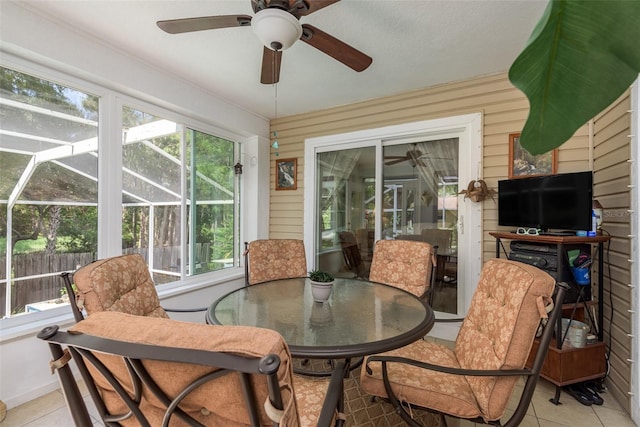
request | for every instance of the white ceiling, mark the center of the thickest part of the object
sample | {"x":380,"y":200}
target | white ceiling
{"x":414,"y":44}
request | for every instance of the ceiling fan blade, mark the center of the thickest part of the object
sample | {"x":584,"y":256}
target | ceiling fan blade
{"x":349,"y":56}
{"x":187,"y":25}
{"x":271,"y":60}
{"x":395,"y":162}
{"x":313,"y":5}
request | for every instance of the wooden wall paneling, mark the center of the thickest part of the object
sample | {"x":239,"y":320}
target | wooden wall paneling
{"x":504,"y":111}
{"x":611,"y":177}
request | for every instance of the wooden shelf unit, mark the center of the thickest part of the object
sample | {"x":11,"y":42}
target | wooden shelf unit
{"x":564,"y":366}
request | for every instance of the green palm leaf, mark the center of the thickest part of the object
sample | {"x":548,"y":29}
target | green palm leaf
{"x":581,"y":56}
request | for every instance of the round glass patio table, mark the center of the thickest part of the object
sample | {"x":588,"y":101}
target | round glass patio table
{"x":360,"y":317}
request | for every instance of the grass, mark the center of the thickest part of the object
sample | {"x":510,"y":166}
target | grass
{"x":30,"y":246}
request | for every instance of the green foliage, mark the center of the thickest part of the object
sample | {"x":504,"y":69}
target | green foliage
{"x":80,"y":228}
{"x":320,"y":276}
{"x":214,"y":180}
{"x":63,"y":290}
{"x":23,"y":246}
{"x":581,"y":56}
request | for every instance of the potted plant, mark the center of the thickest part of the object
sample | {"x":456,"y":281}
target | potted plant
{"x":321,"y":284}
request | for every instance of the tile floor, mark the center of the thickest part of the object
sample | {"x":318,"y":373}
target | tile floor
{"x":50,"y":410}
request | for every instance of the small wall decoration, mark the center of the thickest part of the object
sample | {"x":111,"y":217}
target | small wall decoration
{"x":477,"y":191}
{"x":286,"y":171}
{"x":523,"y":163}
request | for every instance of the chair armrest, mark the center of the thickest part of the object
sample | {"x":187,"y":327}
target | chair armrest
{"x":223,"y":362}
{"x":446,"y":369}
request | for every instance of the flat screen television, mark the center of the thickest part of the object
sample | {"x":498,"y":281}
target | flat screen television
{"x":551,"y":202}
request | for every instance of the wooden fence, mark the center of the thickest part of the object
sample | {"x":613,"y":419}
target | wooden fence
{"x":46,"y":288}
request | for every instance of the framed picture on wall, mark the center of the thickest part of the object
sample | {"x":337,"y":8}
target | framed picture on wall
{"x":522,"y":163}
{"x":286,"y":172}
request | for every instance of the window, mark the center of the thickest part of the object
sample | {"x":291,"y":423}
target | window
{"x":212,"y":208}
{"x":48,"y":188}
{"x":178,"y":191}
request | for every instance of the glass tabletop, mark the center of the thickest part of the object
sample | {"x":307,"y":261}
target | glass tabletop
{"x":359,"y":318}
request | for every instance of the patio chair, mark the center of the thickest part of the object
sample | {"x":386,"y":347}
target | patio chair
{"x":438,"y":238}
{"x":475,"y":380}
{"x":351,"y":254}
{"x":406,"y":264}
{"x":150,"y":371}
{"x":365,"y":238}
{"x":441,"y":240}
{"x":273,"y":259}
{"x":120,"y":283}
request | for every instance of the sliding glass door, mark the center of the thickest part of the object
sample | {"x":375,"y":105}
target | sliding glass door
{"x":346,"y":208}
{"x":419,"y":202}
{"x":400,"y":182}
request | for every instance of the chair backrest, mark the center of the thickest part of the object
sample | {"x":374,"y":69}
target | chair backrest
{"x":438,"y":238}
{"x":405,"y":264}
{"x":500,"y":326}
{"x":273,"y":259}
{"x":347,"y":238}
{"x":365,"y":237}
{"x":351,"y":253}
{"x":121,"y":283}
{"x":152,"y":368}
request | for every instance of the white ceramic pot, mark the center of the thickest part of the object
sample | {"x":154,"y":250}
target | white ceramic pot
{"x":321,"y":290}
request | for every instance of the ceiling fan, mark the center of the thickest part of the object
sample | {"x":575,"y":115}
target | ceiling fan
{"x":414,"y":156}
{"x":276,"y":22}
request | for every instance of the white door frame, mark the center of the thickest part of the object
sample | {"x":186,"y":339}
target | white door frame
{"x":468,"y":128}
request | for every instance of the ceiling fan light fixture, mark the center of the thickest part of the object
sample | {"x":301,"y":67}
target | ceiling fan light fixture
{"x":276,"y":28}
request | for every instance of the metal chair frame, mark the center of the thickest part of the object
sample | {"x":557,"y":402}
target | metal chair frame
{"x":532,"y":374}
{"x":82,"y":346}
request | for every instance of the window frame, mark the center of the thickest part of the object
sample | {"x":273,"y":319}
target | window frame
{"x":111,"y":102}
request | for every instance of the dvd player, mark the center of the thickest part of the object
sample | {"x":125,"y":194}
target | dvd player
{"x":518,"y":245}
{"x":544,"y":261}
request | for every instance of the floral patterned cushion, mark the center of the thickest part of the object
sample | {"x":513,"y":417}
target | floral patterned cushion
{"x":497,"y":333}
{"x":500,"y":326}
{"x":309,"y":393}
{"x":216,"y":403}
{"x":405,"y":264}
{"x":429,"y":389}
{"x":272,"y":259}
{"x":120,"y":283}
